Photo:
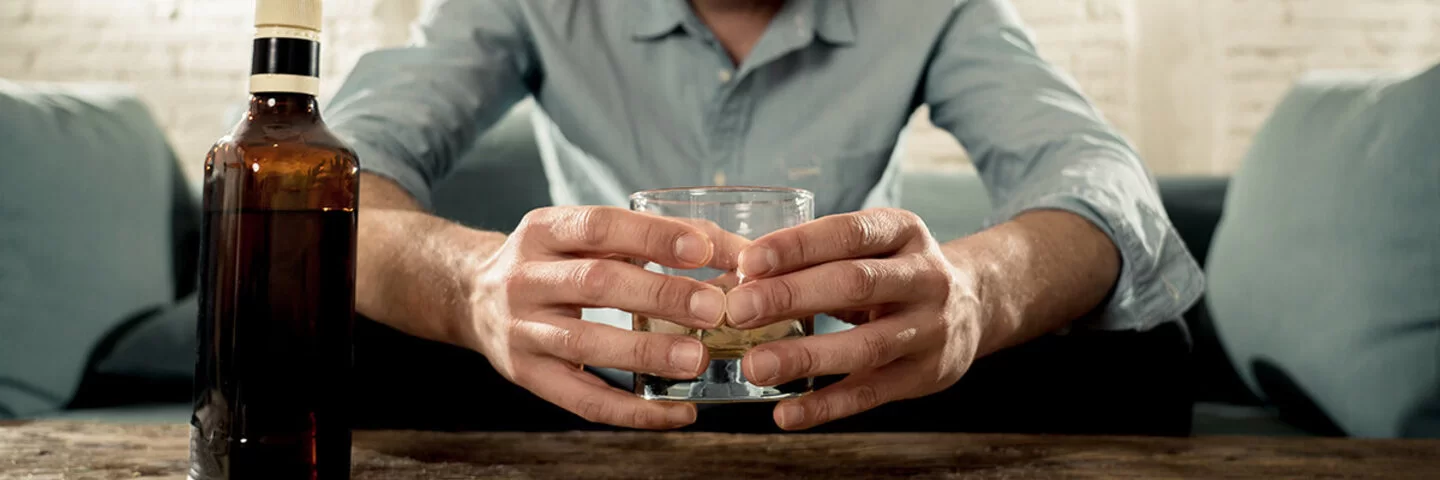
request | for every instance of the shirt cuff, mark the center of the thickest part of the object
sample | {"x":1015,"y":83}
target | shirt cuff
{"x":377,"y":160}
{"x":1159,"y":279}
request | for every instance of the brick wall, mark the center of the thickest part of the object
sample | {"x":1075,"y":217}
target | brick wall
{"x":1187,"y":80}
{"x":189,"y":59}
{"x":1268,"y":43}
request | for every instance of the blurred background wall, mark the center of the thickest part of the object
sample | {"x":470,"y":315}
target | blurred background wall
{"x":1188,"y":80}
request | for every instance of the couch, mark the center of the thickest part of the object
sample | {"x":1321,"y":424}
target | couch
{"x":136,"y":368}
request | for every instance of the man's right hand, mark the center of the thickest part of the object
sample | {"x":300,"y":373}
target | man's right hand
{"x":528,"y":296}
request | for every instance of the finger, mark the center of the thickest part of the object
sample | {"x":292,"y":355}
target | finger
{"x":832,"y":286}
{"x":852,"y":395}
{"x":862,"y":234}
{"x":855,"y":317}
{"x":726,"y":245}
{"x":866,"y":347}
{"x":565,"y":386}
{"x":601,"y":231}
{"x":726,"y":281}
{"x":600,"y":345}
{"x":621,"y":285}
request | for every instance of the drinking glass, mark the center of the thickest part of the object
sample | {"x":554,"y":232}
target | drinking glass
{"x":732,"y":216}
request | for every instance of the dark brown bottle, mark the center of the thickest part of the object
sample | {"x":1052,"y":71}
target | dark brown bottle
{"x":277,"y":293}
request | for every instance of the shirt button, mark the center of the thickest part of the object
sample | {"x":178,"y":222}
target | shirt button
{"x":719,"y":178}
{"x":724,"y":75}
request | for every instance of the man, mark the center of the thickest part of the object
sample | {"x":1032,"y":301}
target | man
{"x":803,"y":93}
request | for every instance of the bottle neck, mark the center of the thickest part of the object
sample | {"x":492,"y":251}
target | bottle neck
{"x":285,"y":60}
{"x":288,"y":105}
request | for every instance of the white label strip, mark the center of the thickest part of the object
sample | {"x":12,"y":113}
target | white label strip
{"x":284,"y":83}
{"x":286,"y":32}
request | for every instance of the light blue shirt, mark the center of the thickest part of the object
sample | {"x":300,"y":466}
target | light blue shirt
{"x":637,"y":95}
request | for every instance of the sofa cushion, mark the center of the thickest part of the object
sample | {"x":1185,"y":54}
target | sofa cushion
{"x":499,"y":179}
{"x":85,"y":239}
{"x":1325,"y":269}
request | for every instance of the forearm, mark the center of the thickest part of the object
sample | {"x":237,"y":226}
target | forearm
{"x":1035,"y":274}
{"x":414,"y":270}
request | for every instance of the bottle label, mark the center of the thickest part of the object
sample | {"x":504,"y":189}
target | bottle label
{"x":285,"y":60}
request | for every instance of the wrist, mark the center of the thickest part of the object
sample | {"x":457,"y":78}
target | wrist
{"x":470,"y":300}
{"x":979,"y":270}
{"x":417,"y":273}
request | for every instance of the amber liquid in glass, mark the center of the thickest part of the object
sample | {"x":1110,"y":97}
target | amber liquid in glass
{"x":726,"y":346}
{"x":277,"y":299}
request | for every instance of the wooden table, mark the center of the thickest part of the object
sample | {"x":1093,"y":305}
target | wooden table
{"x":60,"y":450}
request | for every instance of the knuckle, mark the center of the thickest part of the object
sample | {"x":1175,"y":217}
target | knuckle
{"x":857,"y":281}
{"x":864,"y":397}
{"x":518,"y":284}
{"x":592,"y":226}
{"x":513,"y":328}
{"x":782,"y":296}
{"x":592,"y":409}
{"x":859,"y":232}
{"x":874,"y":350}
{"x":656,"y":240}
{"x":534,"y":219}
{"x":591,"y":279}
{"x":907,"y":222}
{"x":823,"y":409}
{"x":568,"y":343}
{"x":672,"y":296}
{"x":649,"y":352}
{"x":903,"y":216}
{"x":806,"y":361}
{"x":644,"y":417}
{"x":790,"y":246}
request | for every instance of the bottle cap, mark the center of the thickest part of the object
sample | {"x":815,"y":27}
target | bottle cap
{"x":302,"y":14}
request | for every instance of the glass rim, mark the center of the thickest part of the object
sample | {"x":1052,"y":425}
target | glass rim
{"x":661,"y":195}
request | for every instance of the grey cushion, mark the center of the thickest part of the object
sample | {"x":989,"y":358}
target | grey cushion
{"x":499,"y":180}
{"x":85,"y":190}
{"x":953,"y":204}
{"x":1325,"y":269}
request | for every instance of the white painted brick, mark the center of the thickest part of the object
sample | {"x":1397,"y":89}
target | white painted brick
{"x":14,"y":61}
{"x":1044,"y":12}
{"x":14,"y":11}
{"x":1107,"y":11}
{"x":188,"y":58}
{"x":238,"y":10}
{"x":92,"y":12}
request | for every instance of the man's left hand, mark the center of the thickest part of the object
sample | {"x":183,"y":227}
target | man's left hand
{"x":917,"y":315}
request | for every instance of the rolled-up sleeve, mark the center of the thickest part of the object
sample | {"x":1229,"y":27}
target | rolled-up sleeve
{"x":1039,"y":144}
{"x":411,"y":112}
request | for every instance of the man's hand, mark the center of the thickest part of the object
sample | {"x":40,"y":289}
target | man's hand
{"x":529,"y":295}
{"x":918,"y":315}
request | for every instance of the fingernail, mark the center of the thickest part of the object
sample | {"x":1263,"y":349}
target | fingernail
{"x":681,"y":416}
{"x":686,"y":356}
{"x":692,"y":249}
{"x":764,"y":366}
{"x":789,"y":415}
{"x":708,"y":305}
{"x":743,"y":306}
{"x":758,"y":261}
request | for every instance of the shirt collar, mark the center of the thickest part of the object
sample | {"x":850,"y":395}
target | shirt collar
{"x":833,"y":21}
{"x":653,"y":20}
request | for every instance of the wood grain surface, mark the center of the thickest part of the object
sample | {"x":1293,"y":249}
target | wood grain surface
{"x":66,"y":450}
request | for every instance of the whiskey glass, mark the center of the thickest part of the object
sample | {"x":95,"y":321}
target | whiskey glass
{"x":732,"y":216}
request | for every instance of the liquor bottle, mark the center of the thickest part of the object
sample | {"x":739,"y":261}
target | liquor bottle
{"x":277,"y":302}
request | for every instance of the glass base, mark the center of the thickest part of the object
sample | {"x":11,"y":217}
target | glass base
{"x":722,"y":382}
